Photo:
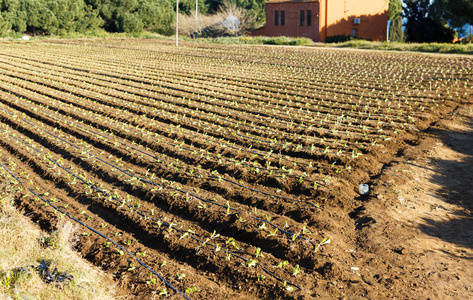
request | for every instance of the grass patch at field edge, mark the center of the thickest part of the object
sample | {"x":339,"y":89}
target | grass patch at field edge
{"x":395,"y":46}
{"x":25,"y":245}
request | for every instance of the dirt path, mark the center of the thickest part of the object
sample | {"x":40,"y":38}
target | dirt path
{"x":418,"y":220}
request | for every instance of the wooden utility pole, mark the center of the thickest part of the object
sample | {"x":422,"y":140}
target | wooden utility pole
{"x":177,"y":23}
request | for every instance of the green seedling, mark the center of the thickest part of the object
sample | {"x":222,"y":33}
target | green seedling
{"x":232,"y":242}
{"x":252,"y":262}
{"x":272,"y":233}
{"x":258,"y":253}
{"x":323,"y":242}
{"x":163,"y":292}
{"x":214,"y":235}
{"x":296,"y":270}
{"x":192,"y":289}
{"x":282,"y":264}
{"x":132,"y":267}
{"x":287,"y":287}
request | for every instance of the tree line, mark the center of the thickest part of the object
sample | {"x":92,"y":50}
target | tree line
{"x":44,"y":17}
{"x":427,"y":21}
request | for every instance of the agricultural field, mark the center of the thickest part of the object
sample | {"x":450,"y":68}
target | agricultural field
{"x":214,"y":171}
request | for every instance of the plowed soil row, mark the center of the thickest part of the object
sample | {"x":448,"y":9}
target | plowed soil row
{"x":230,"y":171}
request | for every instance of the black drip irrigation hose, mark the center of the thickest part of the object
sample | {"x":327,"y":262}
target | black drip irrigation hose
{"x":168,"y":83}
{"x":280,"y":116}
{"x":190,"y":150}
{"x":212,"y":127}
{"x":140,"y":213}
{"x":171,"y":188}
{"x":100,"y":234}
{"x":217,"y":130}
{"x":229,"y":160}
{"x":155,"y":157}
{"x":174,"y":189}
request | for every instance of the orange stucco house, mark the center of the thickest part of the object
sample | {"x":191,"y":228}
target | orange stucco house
{"x":317,"y":19}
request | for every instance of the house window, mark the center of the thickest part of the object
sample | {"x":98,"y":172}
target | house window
{"x":301,"y":17}
{"x":276,"y":17}
{"x":283,"y":17}
{"x":309,"y":18}
{"x":355,"y":31}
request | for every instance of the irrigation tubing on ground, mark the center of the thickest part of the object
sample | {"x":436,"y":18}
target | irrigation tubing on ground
{"x":242,"y":83}
{"x":238,"y":149}
{"x":175,"y":189}
{"x":102,"y":235}
{"x":170,"y":87}
{"x":209,"y":126}
{"x":190,"y":150}
{"x":143,"y":214}
{"x":155,"y":157}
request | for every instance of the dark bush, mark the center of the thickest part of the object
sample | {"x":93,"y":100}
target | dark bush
{"x":340,"y":38}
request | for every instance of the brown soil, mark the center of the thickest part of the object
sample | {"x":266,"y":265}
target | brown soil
{"x":173,"y":153}
{"x":422,"y":205}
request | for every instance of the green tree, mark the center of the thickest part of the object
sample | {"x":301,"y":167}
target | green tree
{"x":91,"y":20}
{"x":107,"y":12}
{"x":4,"y":26}
{"x":40,"y":19}
{"x":131,"y":15}
{"x":457,"y":13}
{"x":64,"y":16}
{"x":49,"y":16}
{"x":186,"y":6}
{"x":156,"y":16}
{"x":421,"y":27}
{"x":13,"y":12}
{"x":395,"y":16}
{"x":395,"y":31}
{"x":129,"y":22}
{"x":395,"y":9}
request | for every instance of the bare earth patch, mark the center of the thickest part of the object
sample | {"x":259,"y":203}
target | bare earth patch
{"x":421,"y":211}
